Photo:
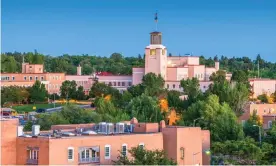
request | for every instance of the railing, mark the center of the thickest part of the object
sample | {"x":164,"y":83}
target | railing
{"x":32,"y":161}
{"x":89,"y":160}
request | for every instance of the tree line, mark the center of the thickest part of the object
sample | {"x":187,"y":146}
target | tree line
{"x":118,"y":64}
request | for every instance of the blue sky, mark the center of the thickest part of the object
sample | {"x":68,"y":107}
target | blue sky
{"x":101,"y":27}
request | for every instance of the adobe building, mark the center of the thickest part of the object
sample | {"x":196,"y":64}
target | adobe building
{"x":95,"y":144}
{"x":31,"y":73}
{"x":261,"y":86}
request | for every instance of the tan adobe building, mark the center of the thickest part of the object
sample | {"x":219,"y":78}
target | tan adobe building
{"x":100,"y":144}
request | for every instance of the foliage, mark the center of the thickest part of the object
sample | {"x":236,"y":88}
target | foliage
{"x":141,"y":156}
{"x":174,"y":101}
{"x":153,"y":84}
{"x":28,"y":126}
{"x":241,"y":152}
{"x":14,"y":94}
{"x":68,"y":90}
{"x":251,"y":127}
{"x":54,"y":96}
{"x":145,"y":109}
{"x":80,"y":93}
{"x":192,"y":90}
{"x":38,"y":92}
{"x":136,"y":90}
{"x":219,"y":76}
{"x":216,"y":117}
{"x":47,"y":120}
{"x":266,"y":99}
{"x":108,"y":112}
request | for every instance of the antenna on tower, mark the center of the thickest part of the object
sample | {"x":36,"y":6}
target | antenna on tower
{"x":156,"y":20}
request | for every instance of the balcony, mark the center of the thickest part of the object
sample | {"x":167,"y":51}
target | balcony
{"x":32,"y":162}
{"x":89,"y":155}
{"x":89,"y":160}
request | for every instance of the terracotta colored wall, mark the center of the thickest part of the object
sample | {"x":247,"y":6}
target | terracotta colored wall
{"x":34,"y":68}
{"x":170,"y":143}
{"x":190,"y":139}
{"x":58,"y":147}
{"x":182,"y":73}
{"x":172,"y":73}
{"x":199,"y":72}
{"x":268,"y":118}
{"x":8,"y":141}
{"x":146,"y":127}
{"x":41,"y":143}
{"x":262,"y":109}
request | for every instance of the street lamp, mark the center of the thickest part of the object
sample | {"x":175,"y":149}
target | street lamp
{"x":196,"y":120}
{"x":260,"y":134}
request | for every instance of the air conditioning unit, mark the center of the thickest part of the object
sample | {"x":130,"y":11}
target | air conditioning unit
{"x":102,"y":128}
{"x":109,"y":128}
{"x":35,"y":130}
{"x":120,"y":127}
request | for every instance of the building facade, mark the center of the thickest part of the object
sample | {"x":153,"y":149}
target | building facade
{"x":31,"y":73}
{"x":72,"y":146}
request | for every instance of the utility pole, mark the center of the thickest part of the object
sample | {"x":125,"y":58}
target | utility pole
{"x":258,"y":69}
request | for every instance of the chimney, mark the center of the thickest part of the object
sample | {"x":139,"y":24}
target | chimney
{"x":217,"y":65}
{"x":19,"y":131}
{"x":79,"y":70}
{"x":35,"y":130}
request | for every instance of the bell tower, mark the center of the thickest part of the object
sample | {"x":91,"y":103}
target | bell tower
{"x":156,"y":55}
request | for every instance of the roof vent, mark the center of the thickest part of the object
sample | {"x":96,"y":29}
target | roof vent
{"x":68,"y":134}
{"x":89,"y":132}
{"x":20,"y":131}
{"x":106,"y":128}
{"x":35,"y":130}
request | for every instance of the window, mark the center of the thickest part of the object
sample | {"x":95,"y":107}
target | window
{"x":25,"y":78}
{"x":70,"y":153}
{"x":182,"y":153}
{"x":110,"y":84}
{"x":31,"y":78}
{"x":123,"y":84}
{"x":152,"y":51}
{"x":179,"y":86}
{"x":124,"y":149}
{"x":129,"y":83}
{"x":269,"y":124}
{"x":33,"y":154}
{"x":30,"y":67}
{"x":39,"y":69}
{"x":13,"y":78}
{"x":41,"y":78}
{"x":107,"y":151}
{"x":114,"y":83}
{"x":119,"y":83}
{"x":168,"y":86}
{"x":173,"y":86}
{"x":36,"y":78}
{"x":141,"y":145}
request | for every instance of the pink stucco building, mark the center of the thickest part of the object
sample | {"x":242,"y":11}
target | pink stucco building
{"x":262,"y":86}
{"x":94,"y":144}
{"x":31,"y":73}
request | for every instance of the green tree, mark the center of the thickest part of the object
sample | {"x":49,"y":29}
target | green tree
{"x":153,"y":84}
{"x":173,"y":99}
{"x":136,"y":90}
{"x":241,"y":152}
{"x":28,"y":126}
{"x":145,"y":109}
{"x":251,"y":127}
{"x":239,"y":76}
{"x":14,"y":94}
{"x":141,"y":156}
{"x":68,"y":90}
{"x":216,"y":117}
{"x":108,"y":112}
{"x":38,"y":92}
{"x":219,"y":76}
{"x":47,"y":120}
{"x":192,"y":90}
{"x":8,"y":64}
{"x":80,"y":95}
